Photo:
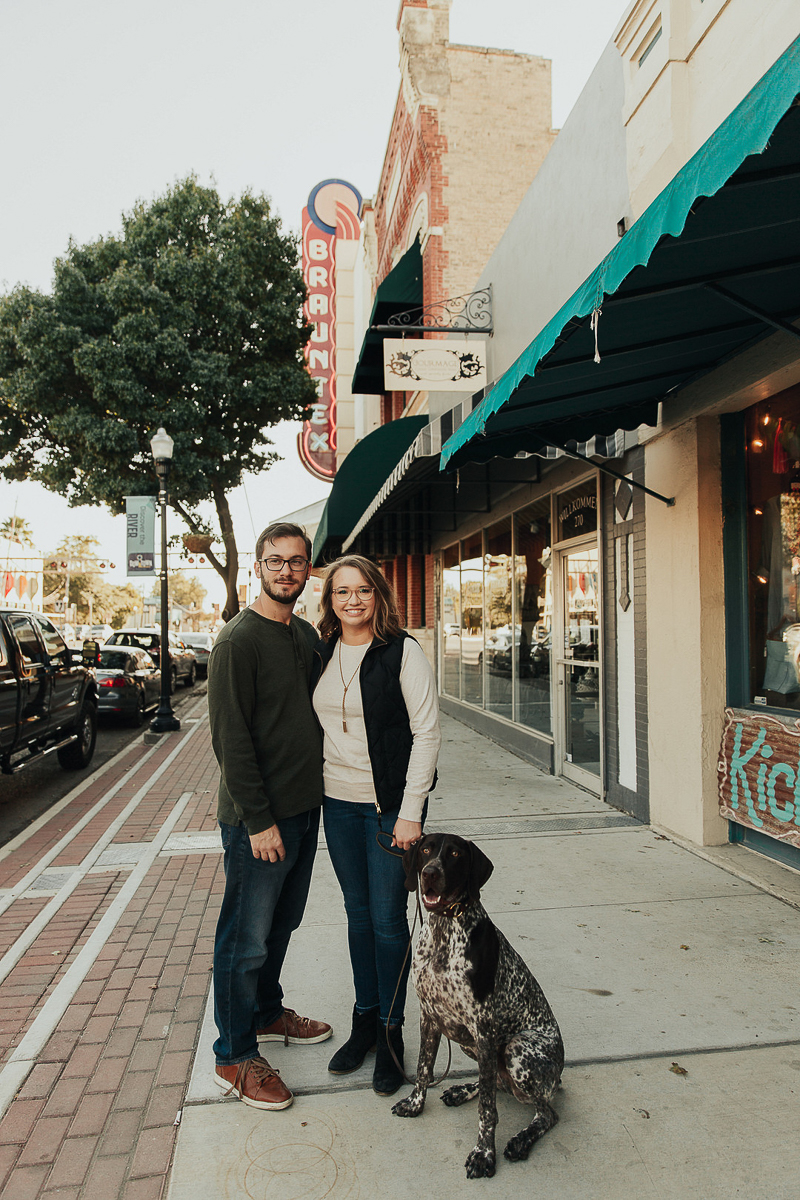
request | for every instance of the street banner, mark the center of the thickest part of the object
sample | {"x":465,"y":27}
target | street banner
{"x":414,"y":365}
{"x":140,"y":513}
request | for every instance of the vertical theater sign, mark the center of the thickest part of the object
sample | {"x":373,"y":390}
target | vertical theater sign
{"x":332,"y":215}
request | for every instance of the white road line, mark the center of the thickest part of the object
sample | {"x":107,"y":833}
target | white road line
{"x":40,"y":921}
{"x":24,"y":1057}
{"x":10,"y":895}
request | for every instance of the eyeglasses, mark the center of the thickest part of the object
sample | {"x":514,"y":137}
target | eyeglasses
{"x":275,"y":563}
{"x":344,"y":593}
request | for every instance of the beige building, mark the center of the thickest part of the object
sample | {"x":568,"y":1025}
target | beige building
{"x":615,"y":534}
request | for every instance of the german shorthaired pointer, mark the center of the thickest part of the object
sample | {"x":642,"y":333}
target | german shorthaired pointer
{"x":475,"y":989}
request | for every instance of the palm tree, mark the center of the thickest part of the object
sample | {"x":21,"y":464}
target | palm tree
{"x":17,"y":529}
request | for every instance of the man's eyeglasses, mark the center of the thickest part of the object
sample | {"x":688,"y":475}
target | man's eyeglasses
{"x":275,"y":563}
{"x":344,"y":593}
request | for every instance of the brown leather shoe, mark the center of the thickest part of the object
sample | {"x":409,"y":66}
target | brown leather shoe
{"x":255,"y":1082}
{"x":295,"y":1031}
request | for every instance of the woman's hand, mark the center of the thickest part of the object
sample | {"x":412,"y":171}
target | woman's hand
{"x":406,"y":833}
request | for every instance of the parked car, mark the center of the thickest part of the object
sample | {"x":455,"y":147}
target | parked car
{"x":201,"y":643}
{"x":128,"y":682}
{"x":48,"y":695}
{"x":99,"y":633}
{"x":183,"y":661}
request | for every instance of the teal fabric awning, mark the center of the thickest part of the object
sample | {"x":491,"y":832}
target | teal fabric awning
{"x":708,"y":268}
{"x":400,"y":291}
{"x":360,"y":477}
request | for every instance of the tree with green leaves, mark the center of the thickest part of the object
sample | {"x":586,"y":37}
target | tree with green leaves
{"x":191,"y":318}
{"x":17,"y":529}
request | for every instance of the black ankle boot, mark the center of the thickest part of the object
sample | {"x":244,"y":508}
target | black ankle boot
{"x":351,"y":1055}
{"x":387,"y":1077}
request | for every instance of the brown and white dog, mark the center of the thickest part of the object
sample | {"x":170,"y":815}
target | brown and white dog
{"x":474,"y":988}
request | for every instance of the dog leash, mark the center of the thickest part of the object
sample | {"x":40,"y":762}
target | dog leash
{"x":417,"y":916}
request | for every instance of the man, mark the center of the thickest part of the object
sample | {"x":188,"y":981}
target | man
{"x":269,"y":749}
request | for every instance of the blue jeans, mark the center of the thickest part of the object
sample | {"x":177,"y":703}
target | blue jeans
{"x":262,"y":905}
{"x":375,"y":899}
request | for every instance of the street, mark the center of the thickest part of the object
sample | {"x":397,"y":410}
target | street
{"x":34,"y":789}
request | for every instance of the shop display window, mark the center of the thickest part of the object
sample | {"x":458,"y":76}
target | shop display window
{"x":502,"y":636}
{"x":533,"y":581}
{"x":772,"y":433}
{"x":451,"y":622}
{"x":472,"y":620}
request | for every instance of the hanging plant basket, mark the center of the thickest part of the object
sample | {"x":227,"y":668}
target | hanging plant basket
{"x":197,"y":543}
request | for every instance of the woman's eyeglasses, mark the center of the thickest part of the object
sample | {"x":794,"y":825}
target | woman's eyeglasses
{"x":343,"y":593}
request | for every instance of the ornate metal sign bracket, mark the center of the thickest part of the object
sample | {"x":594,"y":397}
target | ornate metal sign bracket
{"x":461,"y":314}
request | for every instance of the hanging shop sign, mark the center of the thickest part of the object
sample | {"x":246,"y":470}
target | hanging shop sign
{"x":140,"y":514}
{"x":332,"y":215}
{"x":759,"y":775}
{"x":434,"y":366}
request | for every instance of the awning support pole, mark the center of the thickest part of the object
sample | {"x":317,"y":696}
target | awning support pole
{"x":746,"y":306}
{"x":668,"y":500}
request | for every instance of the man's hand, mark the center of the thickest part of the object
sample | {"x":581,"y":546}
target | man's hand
{"x":268,"y":844}
{"x":406,"y":833}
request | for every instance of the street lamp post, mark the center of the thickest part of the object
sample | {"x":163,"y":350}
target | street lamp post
{"x":161,"y":445}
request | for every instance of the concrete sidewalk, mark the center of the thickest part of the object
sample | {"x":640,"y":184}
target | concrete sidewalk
{"x":650,"y":955}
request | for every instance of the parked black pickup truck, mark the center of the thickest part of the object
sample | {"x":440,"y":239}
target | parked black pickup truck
{"x":48,"y":695}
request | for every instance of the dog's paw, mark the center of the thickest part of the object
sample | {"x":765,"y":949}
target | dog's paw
{"x":480,"y":1164}
{"x":519,"y":1146}
{"x":459,"y":1093}
{"x":408,"y":1107}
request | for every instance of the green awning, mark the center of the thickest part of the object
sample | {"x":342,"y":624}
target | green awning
{"x":360,"y":477}
{"x":710,"y":267}
{"x":400,"y":290}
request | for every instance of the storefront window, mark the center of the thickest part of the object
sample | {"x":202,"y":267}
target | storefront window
{"x":451,"y":623}
{"x":502,"y":639}
{"x":534,"y":604}
{"x":773,"y":493}
{"x":472,"y":620}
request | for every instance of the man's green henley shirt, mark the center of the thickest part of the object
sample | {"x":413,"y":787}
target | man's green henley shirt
{"x":263,"y":728}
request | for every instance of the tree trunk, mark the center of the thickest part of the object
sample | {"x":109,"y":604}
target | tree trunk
{"x":231,"y":572}
{"x":229,"y":569}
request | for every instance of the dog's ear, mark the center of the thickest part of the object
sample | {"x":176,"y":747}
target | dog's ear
{"x":480,"y":869}
{"x":411,"y":868}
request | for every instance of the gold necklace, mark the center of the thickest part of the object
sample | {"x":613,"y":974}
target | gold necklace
{"x":345,"y":685}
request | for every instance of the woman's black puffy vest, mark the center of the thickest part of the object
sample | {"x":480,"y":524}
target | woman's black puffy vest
{"x":389,"y":737}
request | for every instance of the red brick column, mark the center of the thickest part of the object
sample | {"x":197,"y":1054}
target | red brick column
{"x":415,"y":591}
{"x":400,"y":587}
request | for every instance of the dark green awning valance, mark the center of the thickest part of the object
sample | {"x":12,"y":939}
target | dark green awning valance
{"x":709,"y":268}
{"x":400,"y":290}
{"x":360,"y":477}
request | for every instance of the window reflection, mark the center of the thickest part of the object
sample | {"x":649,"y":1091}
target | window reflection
{"x":502,"y":640}
{"x":534,"y":587}
{"x":472,"y":620}
{"x":451,"y":623}
{"x":773,"y":490}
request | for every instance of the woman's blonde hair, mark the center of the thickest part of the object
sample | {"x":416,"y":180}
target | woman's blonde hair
{"x":386,"y":618}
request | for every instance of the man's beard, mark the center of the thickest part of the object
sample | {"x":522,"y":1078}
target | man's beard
{"x":284,"y":597}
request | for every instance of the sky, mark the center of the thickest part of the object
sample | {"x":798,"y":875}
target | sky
{"x":106,"y":104}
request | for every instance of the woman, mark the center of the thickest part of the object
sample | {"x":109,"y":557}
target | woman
{"x":376,"y":702}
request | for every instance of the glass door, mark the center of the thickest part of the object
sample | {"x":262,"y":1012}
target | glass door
{"x":579,"y":737}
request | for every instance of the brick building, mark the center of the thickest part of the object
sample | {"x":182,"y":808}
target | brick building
{"x":471,"y":128}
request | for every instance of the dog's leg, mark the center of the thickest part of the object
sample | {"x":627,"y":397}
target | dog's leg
{"x":533,"y":1079}
{"x":520,"y":1145}
{"x":430,"y":1036}
{"x":481,"y":1160}
{"x":459,"y":1094}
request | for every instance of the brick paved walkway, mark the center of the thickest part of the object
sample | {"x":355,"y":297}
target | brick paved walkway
{"x":106,"y":934}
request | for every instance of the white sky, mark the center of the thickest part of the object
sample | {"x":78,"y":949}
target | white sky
{"x":105,"y":103}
